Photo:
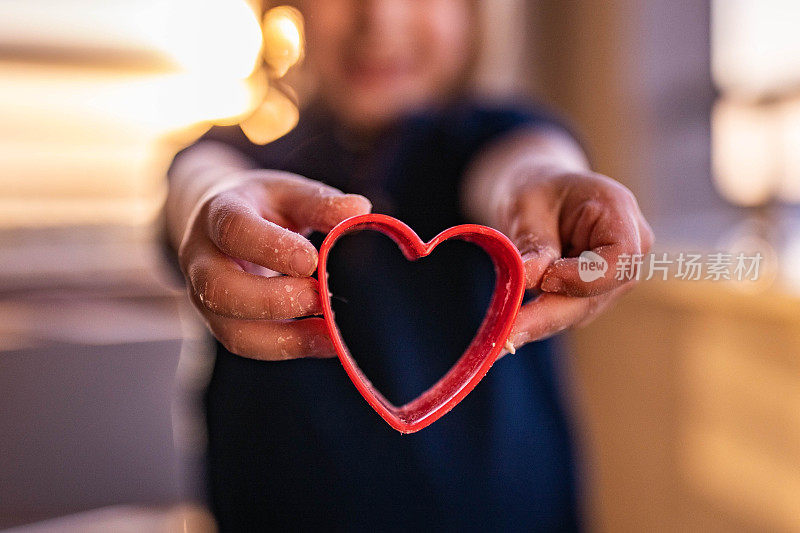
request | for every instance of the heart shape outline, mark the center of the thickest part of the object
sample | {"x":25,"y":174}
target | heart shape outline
{"x":485,"y":346}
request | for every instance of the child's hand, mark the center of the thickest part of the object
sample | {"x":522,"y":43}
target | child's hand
{"x":552,"y":219}
{"x":251,"y":224}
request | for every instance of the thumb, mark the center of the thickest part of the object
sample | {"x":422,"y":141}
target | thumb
{"x":534,"y":231}
{"x":538,"y":253}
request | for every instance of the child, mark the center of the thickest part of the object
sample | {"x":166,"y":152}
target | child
{"x":291,"y":443}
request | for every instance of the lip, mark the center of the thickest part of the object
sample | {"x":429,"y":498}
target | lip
{"x":376,"y":72}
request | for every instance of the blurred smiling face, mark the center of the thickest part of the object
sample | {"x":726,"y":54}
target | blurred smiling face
{"x":376,"y":59}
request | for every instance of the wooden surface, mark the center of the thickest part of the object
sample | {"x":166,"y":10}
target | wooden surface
{"x":689,"y":404}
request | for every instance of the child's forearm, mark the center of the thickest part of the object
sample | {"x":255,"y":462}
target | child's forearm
{"x":193,"y":174}
{"x":511,"y":165}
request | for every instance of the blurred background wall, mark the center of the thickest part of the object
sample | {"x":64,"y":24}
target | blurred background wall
{"x":685,"y":396}
{"x":99,"y":377}
{"x":687,"y":393}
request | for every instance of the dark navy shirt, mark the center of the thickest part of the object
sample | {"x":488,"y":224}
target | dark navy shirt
{"x":293,"y":445}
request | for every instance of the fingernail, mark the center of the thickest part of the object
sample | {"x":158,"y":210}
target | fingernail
{"x":531,"y":249}
{"x":366,"y":205}
{"x":532,"y":268}
{"x":516,"y":339}
{"x":303,"y":263}
{"x":530,"y":256}
{"x":321,"y":347}
{"x":309,"y":301}
{"x":553,"y":284}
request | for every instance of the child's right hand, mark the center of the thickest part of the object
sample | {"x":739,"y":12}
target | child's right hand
{"x":256,"y":220}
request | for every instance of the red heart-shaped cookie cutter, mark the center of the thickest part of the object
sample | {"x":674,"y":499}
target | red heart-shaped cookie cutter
{"x":485,"y":346}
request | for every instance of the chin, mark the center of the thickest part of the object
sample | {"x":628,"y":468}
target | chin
{"x":379,"y":111}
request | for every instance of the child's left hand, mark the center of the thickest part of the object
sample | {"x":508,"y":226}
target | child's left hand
{"x":536,"y":187}
{"x":553,"y":219}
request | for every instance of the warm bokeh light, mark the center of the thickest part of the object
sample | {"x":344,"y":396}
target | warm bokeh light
{"x":790,"y":137}
{"x":213,"y":48}
{"x":283,"y":38}
{"x":745,"y":153}
{"x":756,"y":46}
{"x":97,"y":94}
{"x":756,"y":151}
{"x":275,"y":117}
{"x":215,"y":37}
{"x":791,"y":263}
{"x":283,"y":48}
{"x":154,"y":103}
{"x":218,"y":38}
{"x":756,"y":123}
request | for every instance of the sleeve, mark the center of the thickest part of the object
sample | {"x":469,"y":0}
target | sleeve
{"x":264,"y":156}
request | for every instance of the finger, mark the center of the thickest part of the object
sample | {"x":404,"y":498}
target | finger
{"x":611,"y":231}
{"x":273,"y":340}
{"x":223,"y":288}
{"x":239,"y":231}
{"x":533,"y":228}
{"x":313,"y":205}
{"x":550,"y":314}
